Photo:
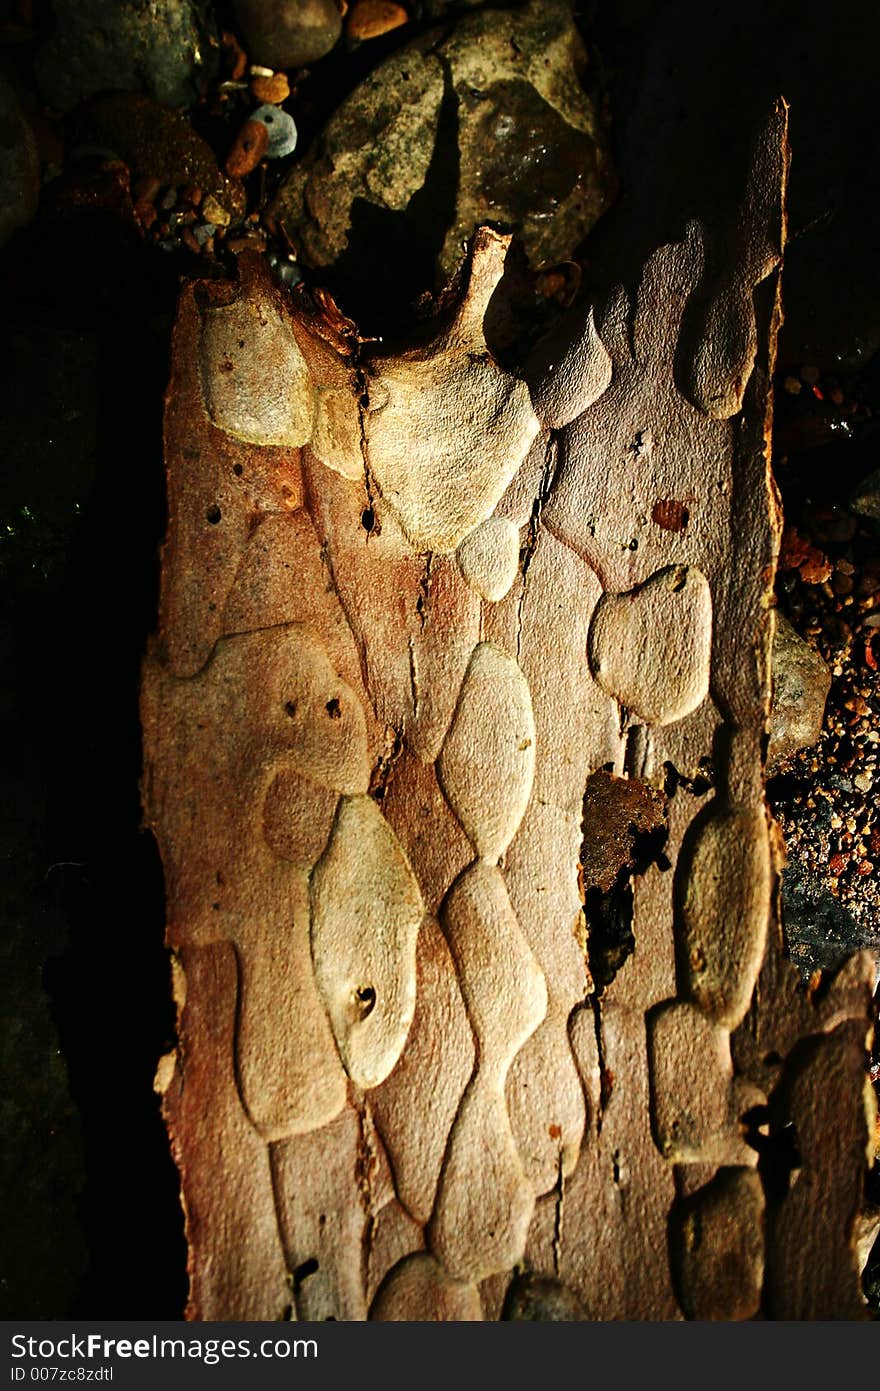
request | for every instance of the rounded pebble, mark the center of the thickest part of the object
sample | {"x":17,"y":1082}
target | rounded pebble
{"x":288,"y":33}
{"x":273,"y":88}
{"x":251,"y":143}
{"x":281,"y":128}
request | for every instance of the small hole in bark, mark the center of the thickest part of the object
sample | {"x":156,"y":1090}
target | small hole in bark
{"x":302,"y":1272}
{"x":290,"y":708}
{"x":213,"y":515}
{"x":333,"y":708}
{"x":368,"y":519}
{"x":238,"y":470}
{"x":670,"y":514}
{"x":366,"y":999}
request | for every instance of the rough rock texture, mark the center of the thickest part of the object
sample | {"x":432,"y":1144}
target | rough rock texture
{"x":484,"y":123}
{"x":367,"y":775}
{"x":159,"y":47}
{"x":801,"y":682}
{"x":866,"y":498}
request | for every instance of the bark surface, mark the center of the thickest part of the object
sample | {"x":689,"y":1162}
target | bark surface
{"x":455,"y":730}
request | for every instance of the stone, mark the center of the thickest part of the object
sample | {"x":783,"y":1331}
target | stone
{"x":486,"y":122}
{"x":160,"y":47}
{"x":820,"y":932}
{"x":19,"y":166}
{"x":273,"y":90}
{"x":288,"y":33}
{"x":865,"y":499}
{"x":280,"y":128}
{"x":248,"y":148}
{"x":369,"y":19}
{"x":801,"y":682}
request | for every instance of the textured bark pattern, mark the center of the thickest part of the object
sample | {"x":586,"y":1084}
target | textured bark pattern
{"x":412,"y":608}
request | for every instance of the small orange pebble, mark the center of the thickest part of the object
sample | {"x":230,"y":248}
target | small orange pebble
{"x":248,"y":149}
{"x":368,"y":19}
{"x":271,"y":90}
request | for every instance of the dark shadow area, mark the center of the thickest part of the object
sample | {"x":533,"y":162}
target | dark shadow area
{"x":96,"y":1224}
{"x":689,"y":82}
{"x":406,"y":244}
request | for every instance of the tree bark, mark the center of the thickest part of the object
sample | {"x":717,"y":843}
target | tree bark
{"x":455,"y":729}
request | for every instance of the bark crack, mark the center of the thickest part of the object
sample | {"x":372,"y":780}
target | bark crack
{"x":548,"y":476}
{"x":606,"y":1080}
{"x":366,"y":1163}
{"x":558,"y":1216}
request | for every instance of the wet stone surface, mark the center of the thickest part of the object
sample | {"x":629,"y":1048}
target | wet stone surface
{"x":486,"y":122}
{"x":162,"y":47}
